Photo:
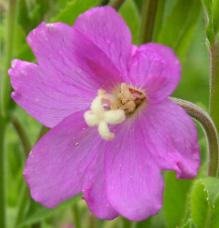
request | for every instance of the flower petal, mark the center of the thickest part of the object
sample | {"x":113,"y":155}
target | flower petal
{"x":156,"y":69}
{"x":95,"y":195}
{"x":133,"y":180}
{"x":46,"y":100}
{"x":71,"y":69}
{"x":62,"y":49}
{"x":161,"y":137}
{"x":171,"y":138}
{"x":106,"y":28}
{"x":58,"y":163}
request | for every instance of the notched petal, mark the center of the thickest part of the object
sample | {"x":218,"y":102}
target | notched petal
{"x":155,"y":69}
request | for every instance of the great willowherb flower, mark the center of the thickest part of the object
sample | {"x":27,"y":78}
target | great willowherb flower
{"x":114,"y":128}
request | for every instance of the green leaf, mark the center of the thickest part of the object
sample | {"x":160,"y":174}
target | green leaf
{"x":39,"y":11}
{"x":188,"y":224}
{"x":205,"y":203}
{"x":178,"y":30}
{"x":139,"y":4}
{"x":133,"y":21}
{"x":211,"y":8}
{"x":62,"y":3}
{"x":30,"y":15}
{"x":144,"y":224}
{"x":39,"y":213}
{"x":187,"y":35}
{"x":73,"y":9}
{"x":215,"y":15}
{"x":104,"y":2}
{"x":175,"y":199}
{"x":23,"y":16}
{"x":207,"y":5}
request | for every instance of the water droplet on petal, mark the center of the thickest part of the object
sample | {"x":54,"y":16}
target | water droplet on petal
{"x":77,"y":143}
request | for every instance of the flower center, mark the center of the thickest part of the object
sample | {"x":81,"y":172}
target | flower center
{"x":128,"y":98}
{"x":112,"y":109}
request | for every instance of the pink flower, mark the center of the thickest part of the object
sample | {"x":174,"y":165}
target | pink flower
{"x":114,"y":128}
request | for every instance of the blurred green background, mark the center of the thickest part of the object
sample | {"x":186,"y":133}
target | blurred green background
{"x":180,"y":24}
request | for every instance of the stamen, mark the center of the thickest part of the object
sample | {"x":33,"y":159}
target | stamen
{"x":113,"y":108}
{"x":130,"y":98}
{"x":104,"y":131}
{"x":100,"y":116}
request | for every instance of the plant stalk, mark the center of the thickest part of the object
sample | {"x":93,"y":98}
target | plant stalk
{"x":5,"y":91}
{"x":21,"y":132}
{"x":25,"y":196}
{"x":214,"y":82}
{"x":159,"y":19}
{"x":76,"y":215}
{"x":116,"y":4}
{"x":2,"y":175}
{"x":104,"y":2}
{"x":126,"y":223}
{"x":210,"y":130}
{"x":149,"y":11}
{"x":10,"y":29}
{"x":92,"y":221}
{"x":26,"y":144}
{"x":22,"y":204}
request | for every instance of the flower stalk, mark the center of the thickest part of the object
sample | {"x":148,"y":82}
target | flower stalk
{"x":214,"y":81}
{"x":22,"y":134}
{"x":2,"y":175}
{"x":25,"y":197}
{"x":5,"y":91}
{"x":116,"y":4}
{"x":76,"y":215}
{"x":10,"y":29}
{"x":126,"y":223}
{"x":22,"y":203}
{"x":104,"y":2}
{"x":211,"y":132}
{"x":149,"y":10}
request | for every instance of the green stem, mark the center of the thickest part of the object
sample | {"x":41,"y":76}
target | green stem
{"x":42,"y":132}
{"x":22,"y":205}
{"x":21,"y":132}
{"x":5,"y":90}
{"x":116,"y":4}
{"x":101,"y":223}
{"x":126,"y":223}
{"x":214,"y":82}
{"x":2,"y":175}
{"x":211,"y":132}
{"x":104,"y":2}
{"x":149,"y":10}
{"x":76,"y":216}
{"x":23,"y":199}
{"x":145,"y":224}
{"x":36,"y":225}
{"x":92,"y":221}
{"x":159,"y":19}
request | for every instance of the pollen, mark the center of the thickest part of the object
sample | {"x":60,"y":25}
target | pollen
{"x":129,"y":98}
{"x":113,"y":108}
{"x":101,"y":115}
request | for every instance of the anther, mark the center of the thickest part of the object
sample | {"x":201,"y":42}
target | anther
{"x":100,"y":116}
